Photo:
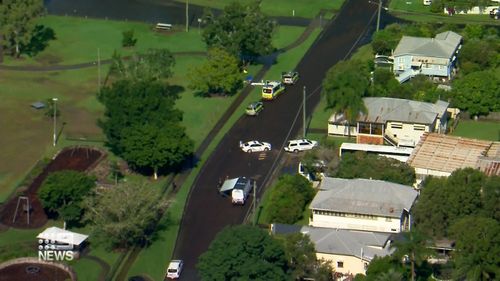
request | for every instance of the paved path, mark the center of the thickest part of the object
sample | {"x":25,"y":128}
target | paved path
{"x":206,"y":213}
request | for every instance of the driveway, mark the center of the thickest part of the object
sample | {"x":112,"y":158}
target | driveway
{"x":206,"y":212}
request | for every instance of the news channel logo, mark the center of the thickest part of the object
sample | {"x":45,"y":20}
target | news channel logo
{"x":56,"y":247}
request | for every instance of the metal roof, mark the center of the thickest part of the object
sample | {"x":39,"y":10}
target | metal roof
{"x":442,"y":46}
{"x":363,"y":196}
{"x":62,"y":236}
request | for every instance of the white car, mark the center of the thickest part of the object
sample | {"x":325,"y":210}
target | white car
{"x":255,"y":146}
{"x":174,"y":269}
{"x":300,"y":145}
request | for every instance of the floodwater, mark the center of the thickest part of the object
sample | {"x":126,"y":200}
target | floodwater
{"x":151,"y":11}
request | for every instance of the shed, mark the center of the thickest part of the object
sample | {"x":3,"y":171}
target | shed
{"x":38,"y":105}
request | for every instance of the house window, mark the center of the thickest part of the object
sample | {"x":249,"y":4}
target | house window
{"x":401,"y":60}
{"x":340,"y":264}
{"x":388,"y":219}
{"x":396,"y":126}
{"x":419,"y":127}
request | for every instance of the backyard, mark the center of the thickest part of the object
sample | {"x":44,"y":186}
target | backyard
{"x":484,"y":130}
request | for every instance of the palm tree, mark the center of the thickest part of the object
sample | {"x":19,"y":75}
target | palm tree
{"x":412,"y":248}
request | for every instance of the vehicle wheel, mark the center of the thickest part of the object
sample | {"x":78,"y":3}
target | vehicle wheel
{"x":249,"y":151}
{"x":296,"y":151}
{"x":266,"y":149}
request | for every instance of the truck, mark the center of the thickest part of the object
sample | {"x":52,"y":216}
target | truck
{"x":239,"y":188}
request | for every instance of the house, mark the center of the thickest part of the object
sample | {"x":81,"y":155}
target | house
{"x":362,"y":204}
{"x":349,"y":251}
{"x":58,"y":239}
{"x":439,"y":155}
{"x":434,"y":57}
{"x":399,"y":122}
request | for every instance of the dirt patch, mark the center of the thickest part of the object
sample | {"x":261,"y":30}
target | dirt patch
{"x":78,"y":159}
{"x":33,"y":272}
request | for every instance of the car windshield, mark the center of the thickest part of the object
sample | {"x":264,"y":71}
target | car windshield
{"x":172,"y":270}
{"x":251,"y":106}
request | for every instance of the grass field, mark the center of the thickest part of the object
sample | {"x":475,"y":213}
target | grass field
{"x":285,"y":35}
{"x":414,"y":10}
{"x":306,"y":9}
{"x":484,"y":130}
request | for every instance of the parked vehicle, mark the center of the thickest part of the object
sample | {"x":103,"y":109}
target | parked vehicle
{"x":289,"y":78}
{"x":174,"y":269}
{"x":300,"y":145}
{"x":255,"y":146}
{"x":254,"y":108}
{"x":316,"y":173}
{"x":241,"y":190}
{"x":495,"y":13}
{"x":271,"y":89}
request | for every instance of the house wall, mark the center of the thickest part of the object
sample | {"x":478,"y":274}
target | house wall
{"x":421,"y":174}
{"x":434,"y":67}
{"x":352,"y":265}
{"x":370,"y":139}
{"x":406,"y":133}
{"x":341,"y":130}
{"x":377,"y":224}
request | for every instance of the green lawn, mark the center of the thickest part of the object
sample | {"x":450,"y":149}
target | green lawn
{"x":484,"y":130}
{"x":416,"y":11}
{"x":286,"y":35}
{"x":306,"y":9}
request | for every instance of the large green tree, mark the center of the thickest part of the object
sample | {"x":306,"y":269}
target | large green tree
{"x":344,"y":86}
{"x":17,"y":23}
{"x":243,"y":253}
{"x":125,"y":215}
{"x":242,"y":30}
{"x":443,"y":201}
{"x":288,"y":198}
{"x":412,"y":248}
{"x":363,"y":165}
{"x":220,"y":74}
{"x":62,"y":192}
{"x":142,"y":124}
{"x":477,"y":248}
{"x":478,"y":92}
{"x":381,"y":265}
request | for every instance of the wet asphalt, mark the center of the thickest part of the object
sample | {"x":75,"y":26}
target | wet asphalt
{"x":206,"y":212}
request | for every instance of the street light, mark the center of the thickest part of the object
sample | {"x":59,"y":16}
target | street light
{"x":380,"y":7}
{"x":55,"y":116}
{"x":199,"y":25}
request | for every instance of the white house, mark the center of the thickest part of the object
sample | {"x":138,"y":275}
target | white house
{"x":439,"y":155}
{"x":349,"y":251}
{"x":55,"y":238}
{"x":399,"y":122}
{"x":435,"y":57}
{"x":362,"y":204}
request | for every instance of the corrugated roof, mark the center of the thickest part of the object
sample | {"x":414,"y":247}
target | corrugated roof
{"x":62,"y":236}
{"x":363,"y":196}
{"x":381,"y":110}
{"x":446,"y":153}
{"x":442,"y":46}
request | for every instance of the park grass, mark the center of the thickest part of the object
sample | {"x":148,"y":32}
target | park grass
{"x":414,"y":10}
{"x":161,"y":250}
{"x":285,"y":35}
{"x":274,"y":8}
{"x":86,"y":269}
{"x":484,"y":130}
{"x":78,"y":40}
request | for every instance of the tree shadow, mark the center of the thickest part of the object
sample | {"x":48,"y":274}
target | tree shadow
{"x":39,"y":41}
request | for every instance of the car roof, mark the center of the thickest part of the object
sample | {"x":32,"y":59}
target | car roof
{"x":174,"y":263}
{"x":252,"y":142}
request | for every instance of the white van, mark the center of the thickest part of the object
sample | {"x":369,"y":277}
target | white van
{"x":427,"y":2}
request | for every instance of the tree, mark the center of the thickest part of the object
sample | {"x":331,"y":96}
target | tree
{"x":128,"y":39}
{"x":385,"y":41}
{"x":288,"y":199}
{"x":142,"y":125}
{"x":471,"y":62}
{"x":477,"y":248}
{"x":345,"y":85}
{"x":151,"y":146}
{"x":124,"y":215}
{"x":302,"y":261}
{"x":242,"y":30}
{"x":412,"y":247}
{"x":17,"y":22}
{"x":154,"y":64}
{"x":220,"y":74}
{"x":243,"y":253}
{"x":62,"y":192}
{"x":363,"y":165}
{"x":49,"y":112}
{"x":490,"y":196}
{"x":477,"y":92}
{"x":380,"y":265}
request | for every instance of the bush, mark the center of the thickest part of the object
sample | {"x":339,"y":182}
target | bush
{"x":128,"y":39}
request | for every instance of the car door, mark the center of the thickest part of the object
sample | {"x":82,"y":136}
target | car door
{"x":305,"y":145}
{"x":257,"y":147}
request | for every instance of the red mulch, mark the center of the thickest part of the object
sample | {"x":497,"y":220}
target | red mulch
{"x":33,"y":272}
{"x":78,"y":159}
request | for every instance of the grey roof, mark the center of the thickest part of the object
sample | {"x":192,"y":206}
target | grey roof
{"x":38,"y":105}
{"x":341,"y":241}
{"x":442,"y":46}
{"x":363,"y":196}
{"x":381,"y":110}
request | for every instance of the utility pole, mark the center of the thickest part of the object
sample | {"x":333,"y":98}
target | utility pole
{"x":304,"y":111}
{"x":378,"y":14}
{"x":187,"y":15}
{"x":54,"y":101}
{"x":254,"y":202}
{"x":98,"y":70}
